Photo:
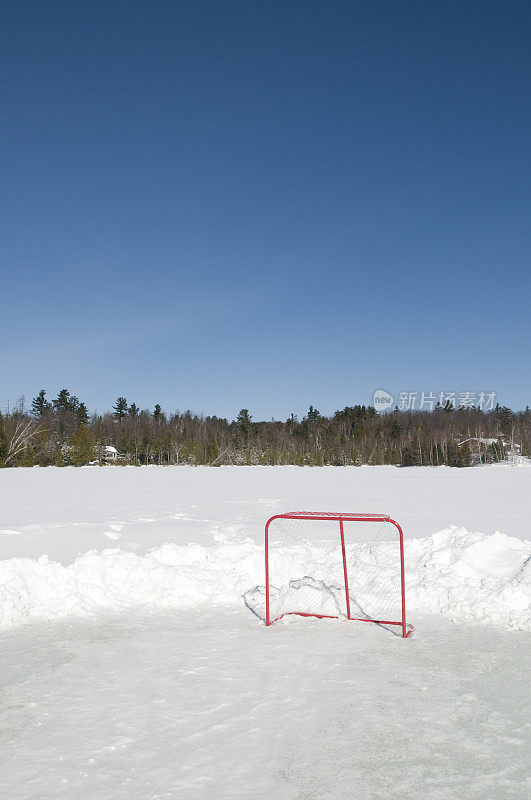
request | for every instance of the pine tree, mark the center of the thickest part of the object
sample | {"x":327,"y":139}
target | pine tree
{"x":81,"y":446}
{"x":158,"y":413}
{"x":39,"y":404}
{"x":62,"y":401}
{"x":82,"y":414}
{"x":133,"y":410}
{"x":27,"y":458}
{"x":99,"y":431}
{"x":313,"y":414}
{"x":464,"y":456}
{"x":410,"y":454}
{"x":120,"y":408}
{"x":395,"y":431}
{"x":506,"y":419}
{"x":244,"y":421}
{"x":244,"y":418}
{"x":58,"y":458}
{"x":212,"y":452}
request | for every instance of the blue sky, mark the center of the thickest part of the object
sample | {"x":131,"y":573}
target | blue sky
{"x":264,"y":205}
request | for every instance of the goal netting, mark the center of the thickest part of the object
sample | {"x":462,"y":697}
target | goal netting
{"x":326,"y":564}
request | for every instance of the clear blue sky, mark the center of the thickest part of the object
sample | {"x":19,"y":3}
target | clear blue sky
{"x":264,"y":204}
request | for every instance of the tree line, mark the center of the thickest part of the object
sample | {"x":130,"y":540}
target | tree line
{"x":62,"y":432}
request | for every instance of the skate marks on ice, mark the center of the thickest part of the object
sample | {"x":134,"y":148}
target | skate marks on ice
{"x":201,"y":704}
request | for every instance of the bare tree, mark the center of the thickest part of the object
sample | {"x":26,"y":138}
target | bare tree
{"x":19,"y":432}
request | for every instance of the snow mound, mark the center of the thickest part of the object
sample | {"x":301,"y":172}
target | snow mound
{"x":462,"y":575}
{"x":482,"y":578}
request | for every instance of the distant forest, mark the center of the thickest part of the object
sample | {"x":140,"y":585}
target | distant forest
{"x":62,"y":432}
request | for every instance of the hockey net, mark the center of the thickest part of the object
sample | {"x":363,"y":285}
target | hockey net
{"x":337,"y":565}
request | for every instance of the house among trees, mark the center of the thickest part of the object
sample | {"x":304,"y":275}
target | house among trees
{"x":109,"y":454}
{"x":484,"y":449}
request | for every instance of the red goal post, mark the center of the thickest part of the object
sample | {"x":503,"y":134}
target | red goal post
{"x":342,"y":521}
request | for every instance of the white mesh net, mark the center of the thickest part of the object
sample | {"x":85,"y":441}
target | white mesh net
{"x":306,"y":573}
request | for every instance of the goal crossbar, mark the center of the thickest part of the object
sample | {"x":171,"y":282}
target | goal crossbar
{"x":341,"y":518}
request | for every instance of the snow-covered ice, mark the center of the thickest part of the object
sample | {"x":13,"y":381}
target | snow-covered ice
{"x":111,"y":538}
{"x":67,"y":511}
{"x":132,"y":666}
{"x":211,"y":704}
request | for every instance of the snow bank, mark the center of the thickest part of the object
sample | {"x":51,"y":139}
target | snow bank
{"x":463,"y":575}
{"x":473,"y":576}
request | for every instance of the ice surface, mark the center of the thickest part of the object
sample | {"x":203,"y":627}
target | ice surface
{"x":133,"y":670}
{"x":210,"y":704}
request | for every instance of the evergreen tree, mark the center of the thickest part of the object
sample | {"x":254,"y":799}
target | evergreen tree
{"x":395,"y":431}
{"x":120,"y":408}
{"x":58,"y":458}
{"x":410,"y":455}
{"x":506,"y":419}
{"x":313,"y":414}
{"x":39,"y":404}
{"x":81,"y":446}
{"x":62,"y":401}
{"x":82,"y":414}
{"x":27,"y":458}
{"x":158,"y":413}
{"x":212,"y":452}
{"x":133,"y":410}
{"x":464,"y":456}
{"x":244,"y":421}
{"x":99,"y":431}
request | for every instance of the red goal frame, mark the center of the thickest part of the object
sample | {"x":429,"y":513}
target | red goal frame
{"x":341,"y":518}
